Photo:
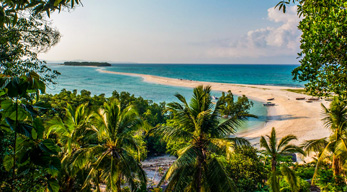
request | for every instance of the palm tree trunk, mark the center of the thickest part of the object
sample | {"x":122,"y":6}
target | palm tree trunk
{"x":273,"y":164}
{"x":118,"y":184}
{"x":98,"y":181}
{"x":198,"y":186}
{"x":336,"y":165}
{"x":201,"y":159}
{"x":70,"y":184}
{"x":336,"y":160}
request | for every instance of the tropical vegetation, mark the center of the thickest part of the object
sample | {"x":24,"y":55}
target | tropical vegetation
{"x":204,"y":137}
{"x":78,"y":142}
{"x":277,"y":151}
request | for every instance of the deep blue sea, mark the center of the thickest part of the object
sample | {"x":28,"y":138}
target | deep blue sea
{"x":87,"y":78}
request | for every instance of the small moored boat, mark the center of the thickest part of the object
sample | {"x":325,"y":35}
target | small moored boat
{"x":214,"y":97}
{"x":268,"y":104}
{"x":300,"y":98}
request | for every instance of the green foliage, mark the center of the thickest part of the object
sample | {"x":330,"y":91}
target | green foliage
{"x":198,"y":125}
{"x":328,"y":182}
{"x":10,"y":10}
{"x":20,"y":43}
{"x":240,"y":107}
{"x":117,"y":153}
{"x":282,"y":5}
{"x":246,"y":169}
{"x":301,"y":91}
{"x":97,"y":64}
{"x":323,"y":44}
{"x":290,"y":178}
{"x":151,"y":113}
{"x":30,"y":160}
{"x":334,"y":149}
{"x":277,"y":152}
{"x":305,"y":171}
{"x":303,"y":186}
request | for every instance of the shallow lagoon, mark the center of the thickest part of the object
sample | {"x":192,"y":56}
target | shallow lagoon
{"x":88,"y":78}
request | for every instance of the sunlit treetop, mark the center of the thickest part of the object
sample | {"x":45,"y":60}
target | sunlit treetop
{"x":10,"y":9}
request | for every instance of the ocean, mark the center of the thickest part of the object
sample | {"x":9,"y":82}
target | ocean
{"x":88,"y":78}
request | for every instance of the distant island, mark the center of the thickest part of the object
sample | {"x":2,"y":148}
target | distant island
{"x":95,"y":64}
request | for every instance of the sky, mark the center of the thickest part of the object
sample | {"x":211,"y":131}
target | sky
{"x":177,"y":31}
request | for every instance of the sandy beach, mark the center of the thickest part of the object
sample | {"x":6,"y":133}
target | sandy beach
{"x":288,"y":116}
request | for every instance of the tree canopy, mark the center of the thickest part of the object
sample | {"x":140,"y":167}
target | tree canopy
{"x":323,"y":45}
{"x":20,"y":44}
{"x":10,"y":10}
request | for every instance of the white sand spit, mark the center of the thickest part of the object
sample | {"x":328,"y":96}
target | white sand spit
{"x":288,"y":116}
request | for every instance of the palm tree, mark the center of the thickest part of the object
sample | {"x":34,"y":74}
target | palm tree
{"x":336,"y":119}
{"x":73,"y":132}
{"x":116,"y":155}
{"x":198,"y":167}
{"x":275,"y":150}
{"x":71,"y":129}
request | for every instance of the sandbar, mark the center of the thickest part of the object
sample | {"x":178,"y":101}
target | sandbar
{"x":288,"y":116}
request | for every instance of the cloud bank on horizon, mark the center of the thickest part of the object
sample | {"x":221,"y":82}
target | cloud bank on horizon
{"x":283,"y":40}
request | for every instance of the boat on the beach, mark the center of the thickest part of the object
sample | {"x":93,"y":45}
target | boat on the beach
{"x":214,"y":97}
{"x":271,"y":99}
{"x":313,"y":99}
{"x":300,"y":98}
{"x":268,"y":104}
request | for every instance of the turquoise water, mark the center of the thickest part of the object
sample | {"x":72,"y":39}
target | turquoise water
{"x":240,"y":74}
{"x":102,"y":83}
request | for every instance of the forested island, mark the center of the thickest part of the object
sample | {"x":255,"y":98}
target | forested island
{"x":95,"y":64}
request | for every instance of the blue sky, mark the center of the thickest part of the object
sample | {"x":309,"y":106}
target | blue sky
{"x":177,"y":31}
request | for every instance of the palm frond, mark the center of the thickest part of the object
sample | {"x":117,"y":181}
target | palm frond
{"x":238,"y":142}
{"x":217,"y":178}
{"x":285,"y":140}
{"x":291,"y":178}
{"x":288,"y":149}
{"x":273,"y":140}
{"x":325,"y":153}
{"x":341,"y":148}
{"x":315,"y":145}
{"x":188,"y":157}
{"x":227,"y":127}
{"x":173,"y":133}
{"x":274,"y":182}
{"x":181,"y":179}
{"x":264,"y":144}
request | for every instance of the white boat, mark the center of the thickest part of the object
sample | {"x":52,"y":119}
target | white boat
{"x":214,"y":97}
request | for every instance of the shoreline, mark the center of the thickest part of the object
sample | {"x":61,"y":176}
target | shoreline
{"x":288,"y":116}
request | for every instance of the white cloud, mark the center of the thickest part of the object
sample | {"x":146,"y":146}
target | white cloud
{"x":283,"y":40}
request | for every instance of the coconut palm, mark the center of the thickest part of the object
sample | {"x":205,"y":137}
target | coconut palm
{"x":275,"y":150}
{"x":198,"y":167}
{"x":72,"y":128}
{"x":73,"y":132}
{"x":116,"y":155}
{"x":336,"y":145}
